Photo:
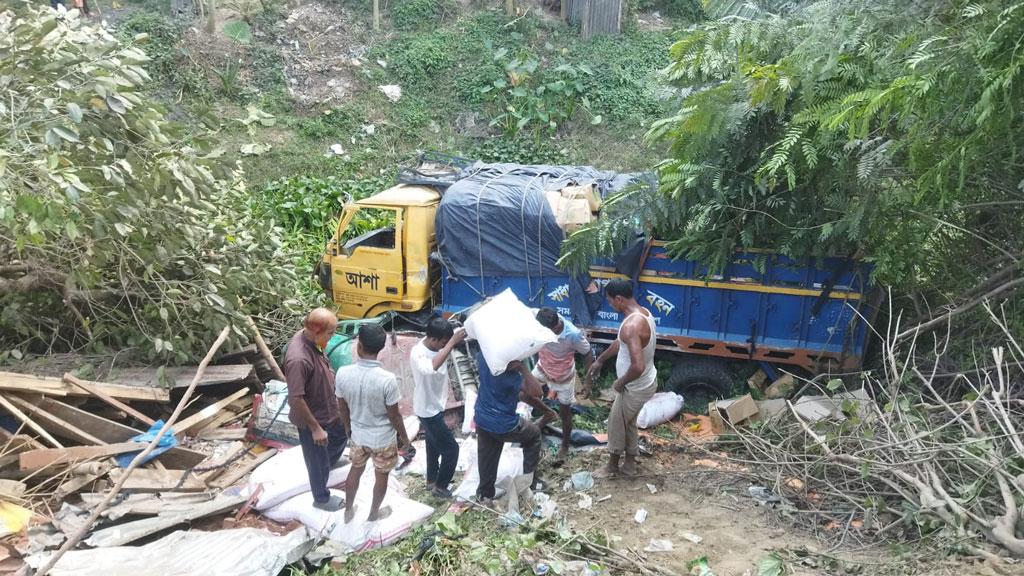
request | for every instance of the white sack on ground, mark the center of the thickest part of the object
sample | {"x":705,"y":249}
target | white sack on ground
{"x":509,"y":466}
{"x":284,"y":476}
{"x":506,"y":330}
{"x":662,"y":407}
{"x":359,"y":534}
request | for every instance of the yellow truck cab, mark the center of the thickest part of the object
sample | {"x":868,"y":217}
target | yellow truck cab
{"x":379,"y":257}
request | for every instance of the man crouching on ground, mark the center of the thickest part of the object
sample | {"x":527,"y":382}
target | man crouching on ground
{"x":498,"y":423}
{"x":368,"y":397}
{"x":312,"y":406}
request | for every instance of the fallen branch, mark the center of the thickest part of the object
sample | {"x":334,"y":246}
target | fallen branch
{"x":75,"y":538}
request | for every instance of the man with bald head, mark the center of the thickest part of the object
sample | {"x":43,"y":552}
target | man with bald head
{"x":312,"y":404}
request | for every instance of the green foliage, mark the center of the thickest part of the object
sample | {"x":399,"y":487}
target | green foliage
{"x":307,"y":203}
{"x":887,"y":130}
{"x":537,"y":98}
{"x":337,"y":123}
{"x":418,"y":61}
{"x":267,"y":67}
{"x":238,"y":30}
{"x":414,"y":14}
{"x":162,"y":35}
{"x":228,"y":76}
{"x":689,"y":10}
{"x":518,"y":150}
{"x":625,"y":78}
{"x":167,"y":64}
{"x":116,"y":230}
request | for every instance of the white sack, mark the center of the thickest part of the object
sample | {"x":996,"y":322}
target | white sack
{"x":506,"y":330}
{"x":662,"y":407}
{"x":359,"y":534}
{"x":509,"y":466}
{"x":470,"y":411}
{"x":284,"y":476}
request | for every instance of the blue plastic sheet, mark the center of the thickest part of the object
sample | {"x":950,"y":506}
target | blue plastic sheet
{"x":165,"y":444}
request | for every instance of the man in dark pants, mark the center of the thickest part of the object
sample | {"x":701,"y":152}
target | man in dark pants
{"x":313,"y":407}
{"x":498,"y":423}
{"x":429,"y":363}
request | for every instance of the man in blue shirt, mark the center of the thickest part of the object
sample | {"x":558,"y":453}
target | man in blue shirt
{"x":498,"y":423}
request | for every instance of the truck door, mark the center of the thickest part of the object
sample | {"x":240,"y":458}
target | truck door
{"x":369,"y":267}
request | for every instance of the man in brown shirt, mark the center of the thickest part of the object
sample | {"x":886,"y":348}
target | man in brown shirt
{"x":313,"y":408}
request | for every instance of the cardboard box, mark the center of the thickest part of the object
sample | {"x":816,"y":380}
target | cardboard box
{"x":585,"y":192}
{"x":758,"y":380}
{"x":570,"y":214}
{"x":734,"y":410}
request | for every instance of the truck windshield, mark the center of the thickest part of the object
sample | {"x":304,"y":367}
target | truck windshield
{"x":370,"y":227}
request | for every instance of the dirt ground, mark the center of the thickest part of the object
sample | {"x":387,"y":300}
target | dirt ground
{"x":695,"y":494}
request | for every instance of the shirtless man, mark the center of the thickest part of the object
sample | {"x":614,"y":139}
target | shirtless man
{"x":636,"y":377}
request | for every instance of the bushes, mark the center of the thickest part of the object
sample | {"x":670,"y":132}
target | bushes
{"x":419,"y":61}
{"x":413,"y":14}
{"x":519,"y":151}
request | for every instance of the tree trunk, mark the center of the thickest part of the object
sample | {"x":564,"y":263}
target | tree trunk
{"x":376,"y":15}
{"x":510,"y":8}
{"x":211,"y":16}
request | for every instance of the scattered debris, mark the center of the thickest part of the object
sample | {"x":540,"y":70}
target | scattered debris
{"x":652,"y":488}
{"x":763,"y":495}
{"x":691,"y":537}
{"x":392,"y":91}
{"x":734,"y":411}
{"x":641,"y":516}
{"x":580,"y":481}
{"x":585,"y":502}
{"x":659,"y":546}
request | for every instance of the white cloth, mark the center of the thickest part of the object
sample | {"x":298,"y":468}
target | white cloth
{"x":430,"y":392}
{"x":564,"y":391}
{"x":369,"y":389}
{"x":649,"y":377}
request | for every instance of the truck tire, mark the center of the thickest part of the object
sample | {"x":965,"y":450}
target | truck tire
{"x":700,"y":379}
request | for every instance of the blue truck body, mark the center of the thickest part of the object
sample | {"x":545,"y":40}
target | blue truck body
{"x":762,"y":307}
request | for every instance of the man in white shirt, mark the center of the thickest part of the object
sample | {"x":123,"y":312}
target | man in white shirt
{"x":368,"y":397}
{"x":556,"y":367}
{"x":429,"y":362}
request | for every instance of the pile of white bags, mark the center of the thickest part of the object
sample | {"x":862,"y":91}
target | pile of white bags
{"x":284,"y":476}
{"x":662,"y":407}
{"x":506,"y":330}
{"x":359,"y":534}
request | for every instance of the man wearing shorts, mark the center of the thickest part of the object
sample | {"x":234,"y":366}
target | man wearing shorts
{"x":368,"y":397}
{"x":556,"y":367}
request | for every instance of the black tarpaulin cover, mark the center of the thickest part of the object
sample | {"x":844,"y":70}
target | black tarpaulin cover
{"x":495,"y":220}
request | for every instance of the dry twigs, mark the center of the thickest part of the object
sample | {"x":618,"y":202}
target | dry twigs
{"x":912,"y":463}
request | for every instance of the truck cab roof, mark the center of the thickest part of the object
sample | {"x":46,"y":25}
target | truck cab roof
{"x":403,"y":195}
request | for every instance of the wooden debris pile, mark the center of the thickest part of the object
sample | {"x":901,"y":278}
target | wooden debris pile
{"x":65,"y":444}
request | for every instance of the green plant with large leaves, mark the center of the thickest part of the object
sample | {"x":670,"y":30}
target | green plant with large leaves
{"x":114,"y":231}
{"x":534,"y":97}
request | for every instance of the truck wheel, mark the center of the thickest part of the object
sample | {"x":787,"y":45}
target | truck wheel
{"x":700,"y":379}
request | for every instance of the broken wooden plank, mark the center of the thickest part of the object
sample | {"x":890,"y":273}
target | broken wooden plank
{"x":36,"y":459}
{"x":70,"y":379}
{"x":131,"y":531}
{"x":181,"y":376}
{"x":242,"y":468}
{"x":223,"y":434}
{"x":215,"y":466}
{"x":207,"y":413}
{"x":28,"y":421}
{"x":30,"y":384}
{"x":112,"y":432}
{"x":82,"y":475}
{"x":55,"y":424}
{"x":146,"y":480}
